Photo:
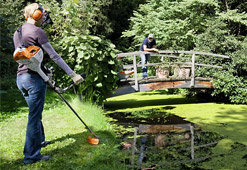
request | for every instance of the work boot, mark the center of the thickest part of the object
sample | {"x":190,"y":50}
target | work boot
{"x":45,"y":143}
{"x":43,"y":158}
{"x":144,"y":72}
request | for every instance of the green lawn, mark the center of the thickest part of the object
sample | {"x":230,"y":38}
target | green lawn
{"x":70,"y":149}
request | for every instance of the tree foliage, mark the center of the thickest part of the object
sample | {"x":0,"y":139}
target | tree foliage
{"x":9,"y":20}
{"x":118,"y":14}
{"x":175,"y":23}
{"x":78,"y":36}
{"x":216,"y":26}
{"x":74,"y":36}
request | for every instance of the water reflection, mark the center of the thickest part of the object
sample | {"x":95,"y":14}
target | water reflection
{"x":161,"y":139}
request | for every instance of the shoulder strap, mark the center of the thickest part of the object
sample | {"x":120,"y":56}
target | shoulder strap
{"x":19,"y":30}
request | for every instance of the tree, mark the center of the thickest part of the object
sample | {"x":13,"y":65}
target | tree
{"x":118,"y":14}
{"x":201,"y":25}
{"x":10,"y":17}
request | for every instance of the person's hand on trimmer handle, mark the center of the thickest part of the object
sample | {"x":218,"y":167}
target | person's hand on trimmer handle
{"x":77,"y":79}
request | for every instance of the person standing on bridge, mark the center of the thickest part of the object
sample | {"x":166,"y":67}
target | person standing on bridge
{"x":148,"y":44}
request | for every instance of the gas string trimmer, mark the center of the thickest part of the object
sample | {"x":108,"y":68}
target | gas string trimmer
{"x":32,"y":57}
{"x":92,"y":140}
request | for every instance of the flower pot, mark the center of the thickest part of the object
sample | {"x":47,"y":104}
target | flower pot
{"x":176,"y":71}
{"x":184,"y":72}
{"x":162,"y":72}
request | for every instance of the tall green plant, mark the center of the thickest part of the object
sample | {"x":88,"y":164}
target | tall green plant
{"x":95,"y":57}
{"x":220,"y":38}
{"x":87,"y":53}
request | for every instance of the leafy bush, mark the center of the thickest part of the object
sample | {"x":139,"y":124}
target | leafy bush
{"x":83,"y":52}
{"x":8,"y":82}
{"x":231,"y":81}
{"x":95,"y":57}
{"x":232,"y":87}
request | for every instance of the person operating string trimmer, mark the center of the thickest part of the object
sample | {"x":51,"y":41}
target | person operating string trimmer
{"x":30,"y":83}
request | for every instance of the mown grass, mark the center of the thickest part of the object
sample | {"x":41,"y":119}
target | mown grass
{"x":228,"y":120}
{"x":69,"y":148}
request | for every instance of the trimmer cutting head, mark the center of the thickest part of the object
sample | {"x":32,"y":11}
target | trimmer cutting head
{"x":93,"y":140}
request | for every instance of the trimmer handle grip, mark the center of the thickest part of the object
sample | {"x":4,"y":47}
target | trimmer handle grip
{"x":83,"y":75}
{"x":60,"y":90}
{"x":72,"y":83}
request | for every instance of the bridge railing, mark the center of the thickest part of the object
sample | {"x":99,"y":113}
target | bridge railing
{"x":169,"y":54}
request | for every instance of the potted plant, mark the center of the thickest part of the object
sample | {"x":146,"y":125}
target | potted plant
{"x":181,"y":70}
{"x":163,"y":70}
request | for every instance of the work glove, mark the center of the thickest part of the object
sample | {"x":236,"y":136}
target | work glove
{"x":77,"y":79}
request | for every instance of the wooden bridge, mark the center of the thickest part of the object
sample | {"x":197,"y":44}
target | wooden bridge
{"x":184,"y":65}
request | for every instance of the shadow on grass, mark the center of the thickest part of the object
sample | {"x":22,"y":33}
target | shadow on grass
{"x":160,"y":92}
{"x":11,"y":103}
{"x":134,"y":103}
{"x":73,"y":152}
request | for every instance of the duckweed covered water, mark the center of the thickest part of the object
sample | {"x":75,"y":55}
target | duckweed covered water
{"x":155,"y":139}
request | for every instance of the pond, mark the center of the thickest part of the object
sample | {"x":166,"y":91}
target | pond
{"x":155,"y":139}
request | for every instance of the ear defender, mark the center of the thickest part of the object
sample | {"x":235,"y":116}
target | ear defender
{"x":37,"y":14}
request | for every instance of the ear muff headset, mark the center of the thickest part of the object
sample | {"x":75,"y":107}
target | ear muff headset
{"x":38,"y":13}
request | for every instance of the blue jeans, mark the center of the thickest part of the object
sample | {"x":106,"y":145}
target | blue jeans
{"x":33,"y":89}
{"x":144,"y":60}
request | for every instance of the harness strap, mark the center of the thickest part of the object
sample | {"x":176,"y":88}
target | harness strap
{"x":19,"y":30}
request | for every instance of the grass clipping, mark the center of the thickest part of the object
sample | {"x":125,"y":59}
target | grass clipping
{"x":63,"y":117}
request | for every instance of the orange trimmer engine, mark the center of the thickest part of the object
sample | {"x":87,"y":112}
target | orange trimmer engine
{"x":25,"y":53}
{"x":32,"y":57}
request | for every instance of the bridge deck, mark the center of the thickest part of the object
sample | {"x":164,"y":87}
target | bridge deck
{"x":126,"y":86}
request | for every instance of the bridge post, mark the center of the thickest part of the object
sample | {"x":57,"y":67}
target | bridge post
{"x":192,"y":83}
{"x":135,"y":73}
